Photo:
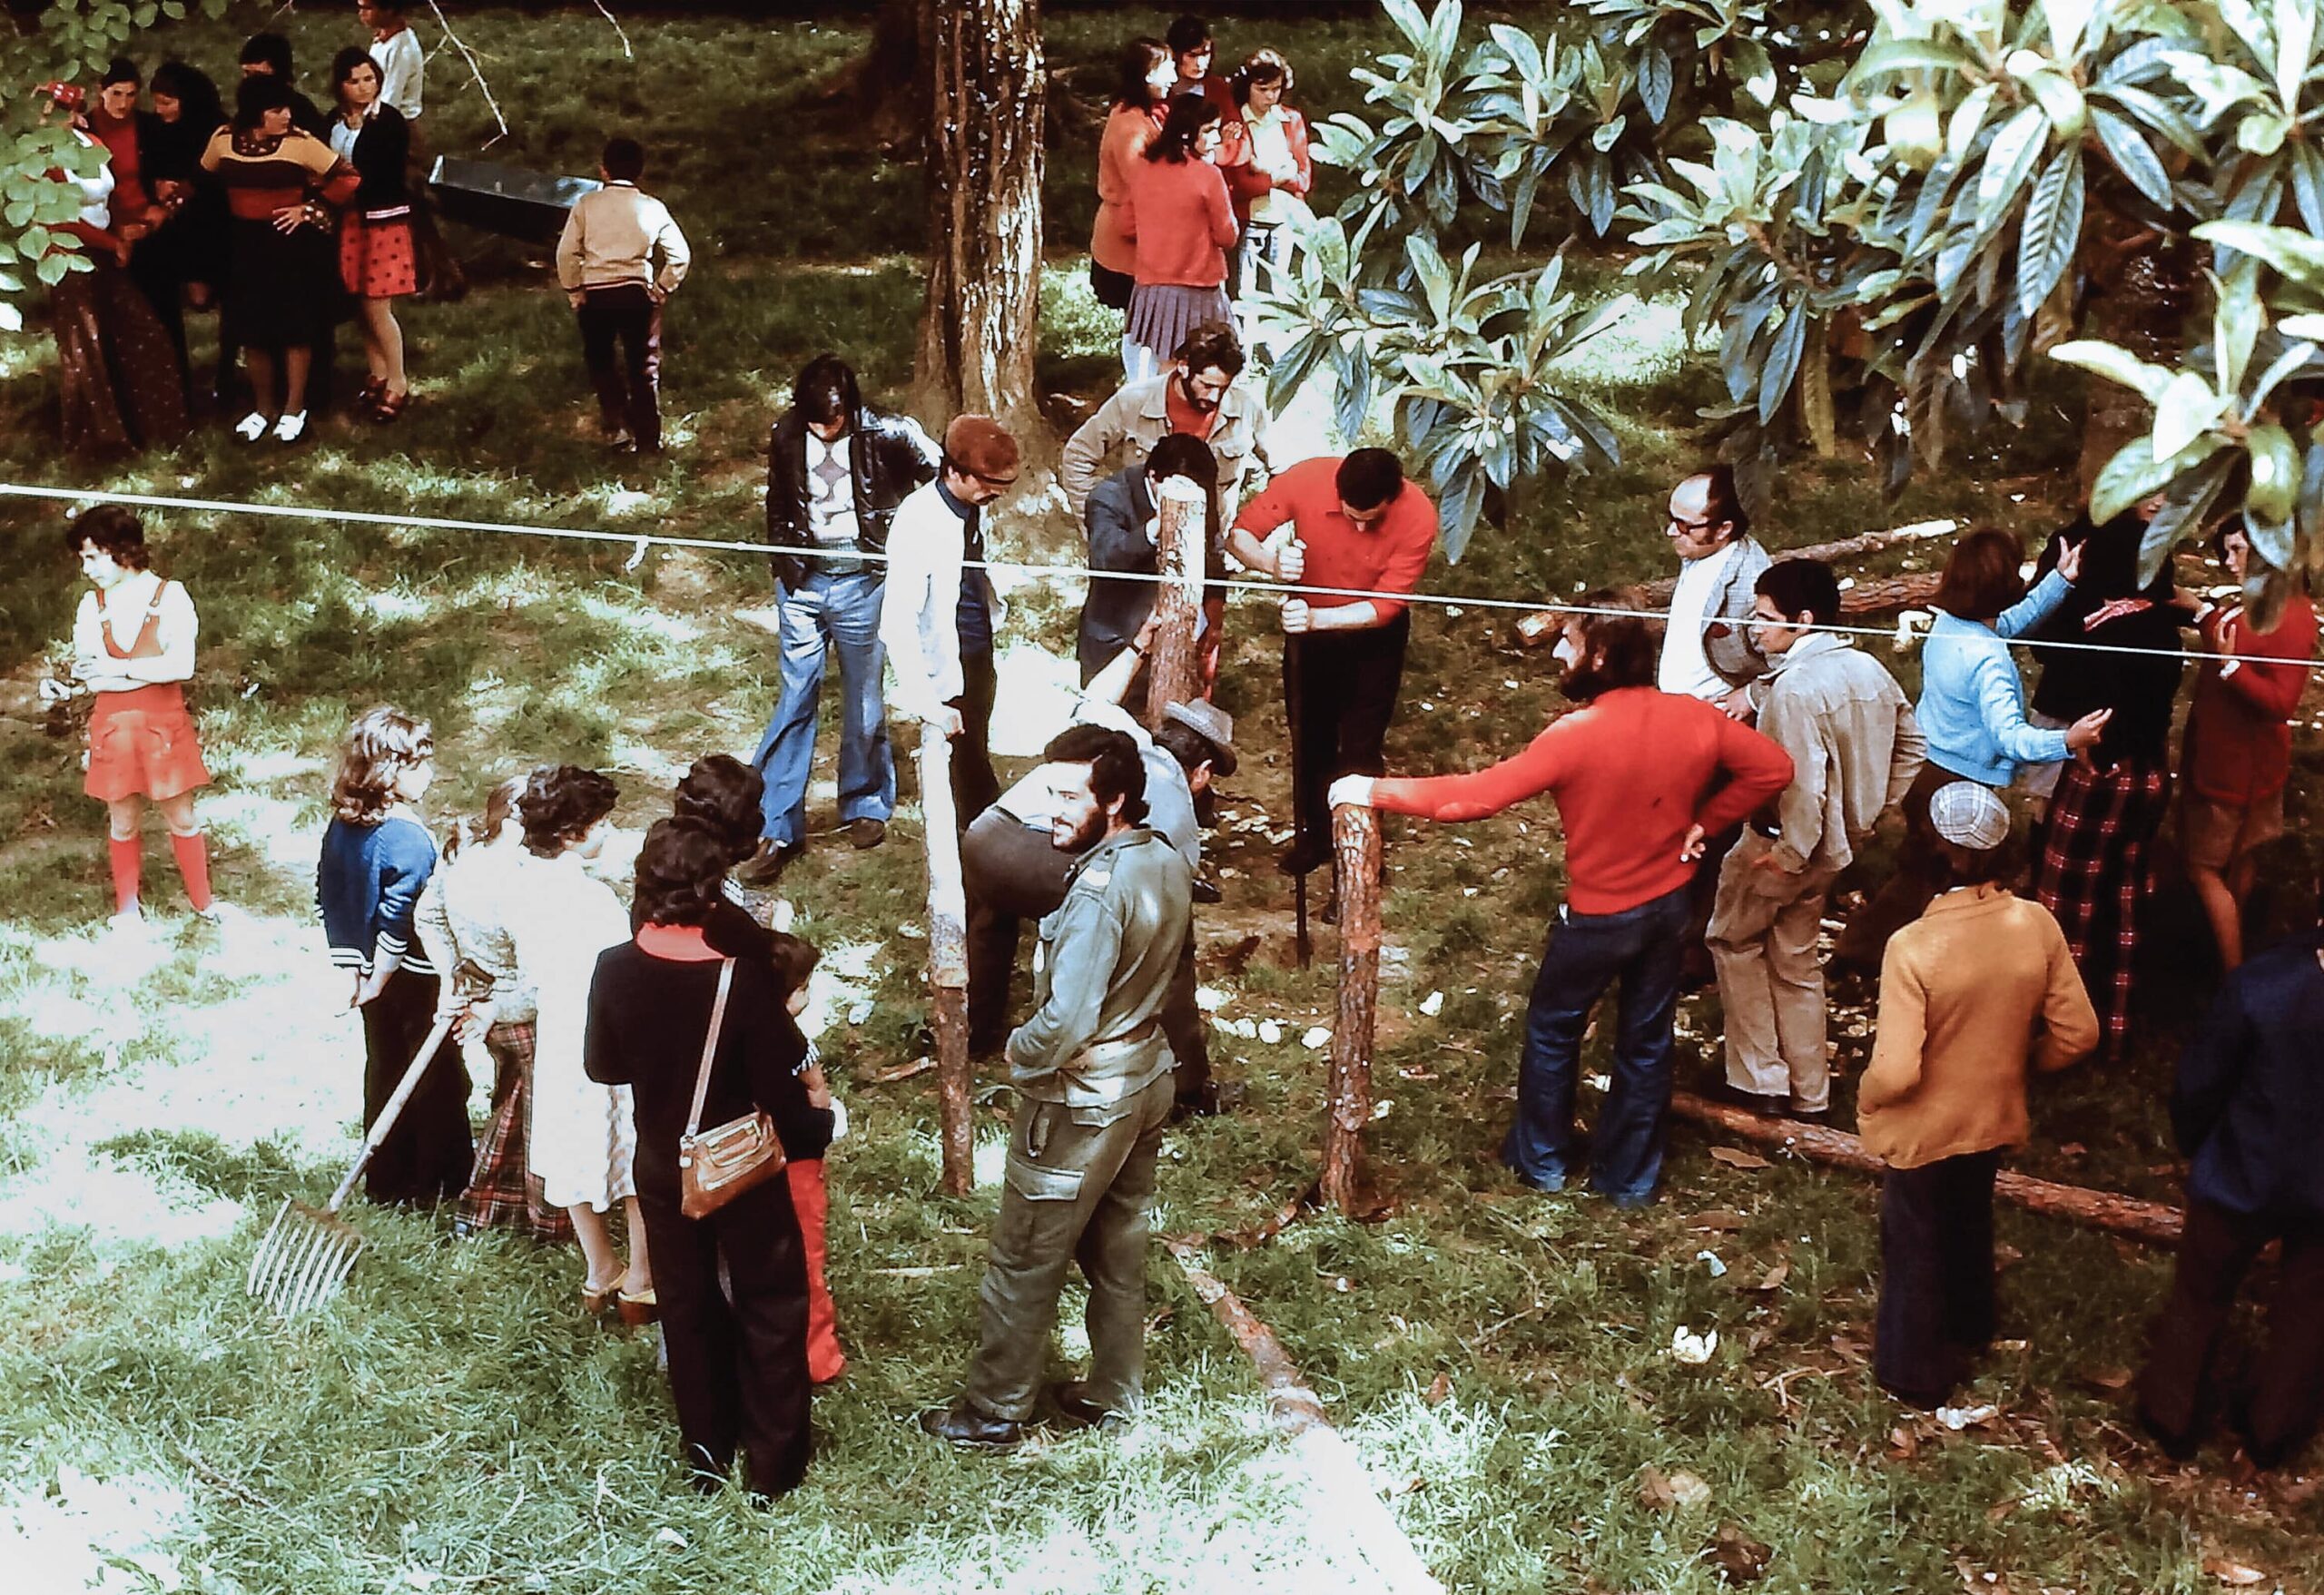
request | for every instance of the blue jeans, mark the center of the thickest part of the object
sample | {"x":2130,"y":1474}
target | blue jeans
{"x":828,"y":613}
{"x":1642,"y":948}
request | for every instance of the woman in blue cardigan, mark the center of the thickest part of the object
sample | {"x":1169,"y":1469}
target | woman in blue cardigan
{"x":1972,"y":709}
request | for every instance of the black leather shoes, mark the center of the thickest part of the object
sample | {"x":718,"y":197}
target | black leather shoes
{"x":967,"y":1429}
{"x":1071,"y":1400}
{"x":867,"y":833}
{"x":764,"y":866}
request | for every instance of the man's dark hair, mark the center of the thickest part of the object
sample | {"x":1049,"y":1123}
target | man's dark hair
{"x":1187,"y":36}
{"x":560,"y":804}
{"x":271,"y":51}
{"x":255,"y":96}
{"x":721,"y":794}
{"x":1722,"y":502}
{"x":1981,"y":576}
{"x":1138,"y":57}
{"x":624,"y":160}
{"x":1369,"y":478}
{"x":1189,"y":114}
{"x":827,"y":392}
{"x":1115,"y":769}
{"x":110,"y":528}
{"x":1802,"y":586}
{"x":1973,"y":866}
{"x":1182,"y":454}
{"x":1185,"y":743}
{"x":681,"y":872}
{"x":1213,"y":343}
{"x":1617,"y":650}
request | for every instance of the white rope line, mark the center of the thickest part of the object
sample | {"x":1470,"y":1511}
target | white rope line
{"x":639,"y":542}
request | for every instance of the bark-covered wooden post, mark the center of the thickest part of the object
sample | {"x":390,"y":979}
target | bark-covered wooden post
{"x":1347,"y":1108}
{"x":978,"y":326}
{"x":947,"y":959}
{"x":1174,"y":673}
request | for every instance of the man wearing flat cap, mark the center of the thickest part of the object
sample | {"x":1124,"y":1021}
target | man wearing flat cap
{"x":1013,"y":874}
{"x":939,"y":614}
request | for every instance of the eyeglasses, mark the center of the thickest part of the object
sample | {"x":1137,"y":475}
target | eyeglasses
{"x":1685,"y":525}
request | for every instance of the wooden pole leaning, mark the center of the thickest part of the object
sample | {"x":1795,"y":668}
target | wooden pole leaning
{"x":1173,"y":672}
{"x":947,"y":959}
{"x":1355,"y":866}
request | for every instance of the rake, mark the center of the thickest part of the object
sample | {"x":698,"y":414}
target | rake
{"x":308,"y":1251}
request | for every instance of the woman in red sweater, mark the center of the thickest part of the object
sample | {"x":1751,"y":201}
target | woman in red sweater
{"x":1269,"y":169}
{"x":1139,"y":94}
{"x":1178,"y":215}
{"x":1640,"y":777}
{"x":2237,"y":755}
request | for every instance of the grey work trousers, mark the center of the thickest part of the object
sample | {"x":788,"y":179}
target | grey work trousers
{"x":1077,"y":1185}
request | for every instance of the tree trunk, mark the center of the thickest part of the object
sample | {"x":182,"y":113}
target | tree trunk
{"x":947,"y":960}
{"x":2146,"y":1221}
{"x":1355,"y":866}
{"x":1174,"y":674}
{"x":979,"y":322}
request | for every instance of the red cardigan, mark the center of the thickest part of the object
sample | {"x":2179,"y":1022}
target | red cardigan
{"x":1630,"y":770}
{"x":2238,"y":747}
{"x":1179,"y":216}
{"x":1245,"y":182}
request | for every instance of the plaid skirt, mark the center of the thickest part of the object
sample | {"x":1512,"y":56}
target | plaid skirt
{"x":2092,"y":874}
{"x":502,"y":1194}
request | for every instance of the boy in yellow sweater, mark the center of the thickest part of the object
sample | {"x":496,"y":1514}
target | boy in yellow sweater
{"x":1975,"y":993}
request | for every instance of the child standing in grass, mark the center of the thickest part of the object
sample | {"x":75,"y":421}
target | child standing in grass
{"x":377,"y":858}
{"x":133,"y":643}
{"x":606,"y":264}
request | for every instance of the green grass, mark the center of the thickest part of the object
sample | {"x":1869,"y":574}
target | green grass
{"x":1499,"y":1357}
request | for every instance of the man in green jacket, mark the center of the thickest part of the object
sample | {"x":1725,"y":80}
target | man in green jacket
{"x":1093,"y":1078}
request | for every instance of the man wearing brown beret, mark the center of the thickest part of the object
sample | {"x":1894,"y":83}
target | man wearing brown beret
{"x":940,"y":614}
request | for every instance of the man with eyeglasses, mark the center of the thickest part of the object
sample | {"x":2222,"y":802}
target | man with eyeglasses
{"x":1328,"y":527}
{"x":1198,"y":396}
{"x":939,"y":614}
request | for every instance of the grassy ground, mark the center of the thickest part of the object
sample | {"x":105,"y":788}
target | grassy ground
{"x":1501,"y":1358}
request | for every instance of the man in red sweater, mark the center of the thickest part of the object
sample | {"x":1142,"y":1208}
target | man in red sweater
{"x":1640,"y":777}
{"x":1352,"y":525}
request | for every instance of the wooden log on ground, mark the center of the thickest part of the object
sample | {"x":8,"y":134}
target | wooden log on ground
{"x":2145,"y":1221}
{"x":1173,"y":672}
{"x":1866,"y":596}
{"x":1356,"y":869}
{"x":947,"y":960}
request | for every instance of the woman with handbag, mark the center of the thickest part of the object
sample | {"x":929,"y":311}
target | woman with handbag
{"x":703,"y":1043}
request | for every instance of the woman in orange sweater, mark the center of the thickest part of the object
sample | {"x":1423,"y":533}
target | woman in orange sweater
{"x":1183,"y":224}
{"x":1974,"y":991}
{"x":1140,"y":92}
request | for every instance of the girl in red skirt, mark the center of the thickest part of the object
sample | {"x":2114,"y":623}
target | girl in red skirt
{"x":376,"y":261}
{"x":133,"y":643}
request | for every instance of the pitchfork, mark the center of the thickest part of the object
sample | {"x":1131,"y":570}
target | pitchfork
{"x":308,"y":1251}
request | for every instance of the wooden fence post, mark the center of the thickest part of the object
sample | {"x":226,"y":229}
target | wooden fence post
{"x":1174,"y":674}
{"x":947,"y":959}
{"x":1356,"y":867}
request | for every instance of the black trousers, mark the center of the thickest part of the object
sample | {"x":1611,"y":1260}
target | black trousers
{"x":1013,"y":874}
{"x":738,"y":1368}
{"x":1339,"y":689}
{"x":428,"y":1156}
{"x":629,"y":390}
{"x":2177,"y":1392}
{"x":1937,"y":1274}
{"x":975,"y":786}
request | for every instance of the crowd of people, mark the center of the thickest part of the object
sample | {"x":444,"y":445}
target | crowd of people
{"x":283,"y":217}
{"x":1726,"y":758}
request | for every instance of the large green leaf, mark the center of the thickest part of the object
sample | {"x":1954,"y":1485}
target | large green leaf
{"x":2116,"y":365}
{"x":1783,"y":360}
{"x":2053,"y":230}
{"x":2009,"y":165}
{"x":2295,"y":254}
{"x":2134,"y":473}
{"x":2275,"y":474}
{"x":2132,"y":155}
{"x":2189,"y":407}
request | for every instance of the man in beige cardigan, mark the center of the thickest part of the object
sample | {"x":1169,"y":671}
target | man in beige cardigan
{"x":1978,"y":990}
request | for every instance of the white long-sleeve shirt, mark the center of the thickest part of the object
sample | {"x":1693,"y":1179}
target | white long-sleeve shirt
{"x":402,"y":63}
{"x":611,"y":238}
{"x":125,"y":615}
{"x":919,"y":603}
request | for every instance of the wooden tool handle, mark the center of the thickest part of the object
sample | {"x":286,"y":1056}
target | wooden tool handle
{"x":386,"y":1122}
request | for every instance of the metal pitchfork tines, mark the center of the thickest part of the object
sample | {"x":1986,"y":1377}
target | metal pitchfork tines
{"x":308,"y":1251}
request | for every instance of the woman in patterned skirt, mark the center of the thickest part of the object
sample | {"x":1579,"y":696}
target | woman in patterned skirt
{"x":463,"y":922}
{"x":376,"y":261}
{"x":133,"y":643}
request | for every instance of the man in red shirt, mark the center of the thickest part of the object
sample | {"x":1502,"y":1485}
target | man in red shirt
{"x":1640,"y":777}
{"x":1355,"y":523}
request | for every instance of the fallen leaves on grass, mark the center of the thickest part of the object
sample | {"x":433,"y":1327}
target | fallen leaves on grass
{"x":1740,"y":1558}
{"x":1716,"y":1218}
{"x":1661,"y":1492}
{"x":1736,"y":1157}
{"x":1771,"y":1280}
{"x":2112,"y":1381}
{"x":1439,"y":1391}
{"x":2234,"y":1574}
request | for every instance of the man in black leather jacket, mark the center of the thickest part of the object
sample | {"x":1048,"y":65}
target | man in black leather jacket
{"x":835,"y":472}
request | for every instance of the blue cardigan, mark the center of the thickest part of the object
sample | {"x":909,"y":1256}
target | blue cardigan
{"x":2248,"y":1104}
{"x":1972,"y":702}
{"x":366,"y":886}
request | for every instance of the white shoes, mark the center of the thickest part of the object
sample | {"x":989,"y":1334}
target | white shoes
{"x":251,"y":428}
{"x":291,"y":428}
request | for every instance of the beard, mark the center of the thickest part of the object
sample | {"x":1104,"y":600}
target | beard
{"x":1195,"y":401}
{"x":1082,"y":837}
{"x":1582,"y":681}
